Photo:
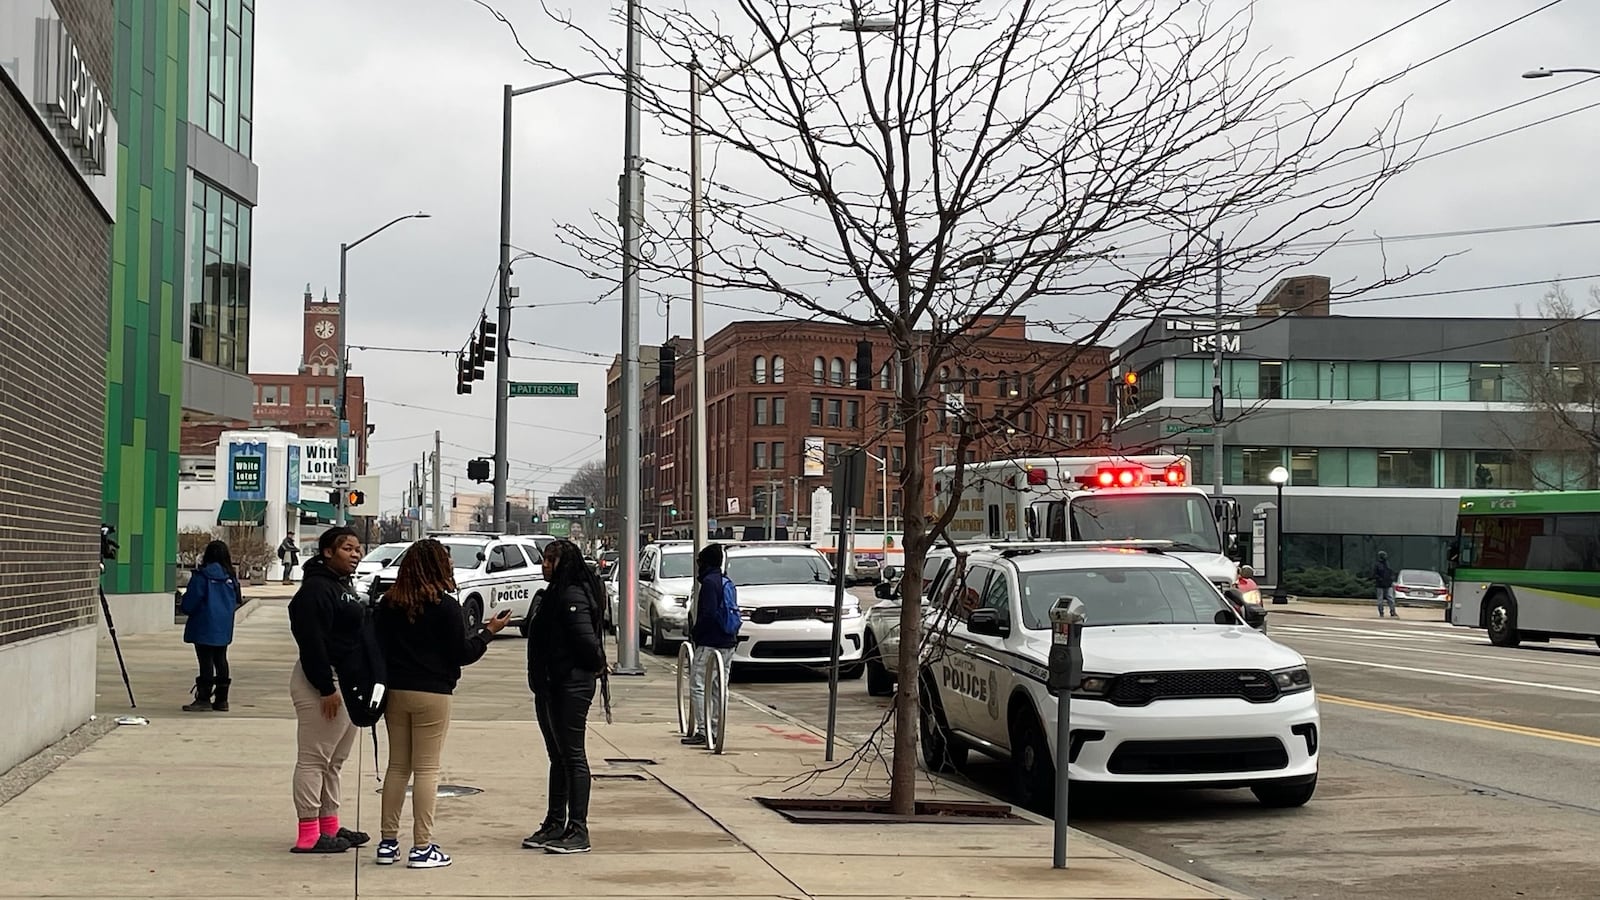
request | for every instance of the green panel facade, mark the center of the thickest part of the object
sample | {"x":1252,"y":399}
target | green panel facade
{"x":144,"y":362}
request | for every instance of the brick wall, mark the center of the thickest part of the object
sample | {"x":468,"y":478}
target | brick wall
{"x":55,"y":251}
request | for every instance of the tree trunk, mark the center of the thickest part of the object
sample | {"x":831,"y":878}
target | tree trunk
{"x":913,"y":486}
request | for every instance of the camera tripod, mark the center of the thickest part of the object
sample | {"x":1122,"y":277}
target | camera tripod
{"x":108,"y":550}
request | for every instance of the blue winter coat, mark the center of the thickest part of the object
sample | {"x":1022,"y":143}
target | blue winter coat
{"x":209,"y":602}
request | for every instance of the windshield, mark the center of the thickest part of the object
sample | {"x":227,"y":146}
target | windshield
{"x":377,"y":554}
{"x":1119,"y":596}
{"x":464,"y":555}
{"x":1184,"y":519}
{"x":777,"y":568}
{"x":677,"y":565}
{"x":1421,"y":578}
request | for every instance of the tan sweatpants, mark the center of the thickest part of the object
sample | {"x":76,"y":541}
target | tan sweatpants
{"x":324,"y":744}
{"x":417,"y":724}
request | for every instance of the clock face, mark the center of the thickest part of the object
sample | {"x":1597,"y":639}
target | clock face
{"x":324,"y":329}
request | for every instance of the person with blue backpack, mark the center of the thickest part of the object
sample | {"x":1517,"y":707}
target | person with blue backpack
{"x":713,"y":628}
{"x":210,"y":602}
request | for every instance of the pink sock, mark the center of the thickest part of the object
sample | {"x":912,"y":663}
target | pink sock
{"x":329,"y":824}
{"x":308,"y":834}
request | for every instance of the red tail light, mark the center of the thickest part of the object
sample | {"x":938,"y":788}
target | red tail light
{"x":1038,"y":477}
{"x":1176,"y":475}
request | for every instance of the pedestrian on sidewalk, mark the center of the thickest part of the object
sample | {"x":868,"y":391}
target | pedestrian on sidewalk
{"x":423,"y":632}
{"x":326,"y":619}
{"x":565,"y":660}
{"x":289,"y":556}
{"x":210,"y":602}
{"x":1383,"y":577}
{"x":712,"y":630}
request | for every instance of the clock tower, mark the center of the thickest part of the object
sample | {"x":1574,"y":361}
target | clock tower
{"x":319,"y":353}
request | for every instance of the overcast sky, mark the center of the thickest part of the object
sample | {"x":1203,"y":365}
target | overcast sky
{"x":368,"y":109}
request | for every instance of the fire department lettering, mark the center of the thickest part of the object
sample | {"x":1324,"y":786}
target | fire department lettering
{"x":970,"y":684}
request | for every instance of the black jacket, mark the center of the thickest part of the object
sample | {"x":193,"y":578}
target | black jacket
{"x":427,"y":655}
{"x":325,"y":618}
{"x":1382,"y":575}
{"x":564,"y":638}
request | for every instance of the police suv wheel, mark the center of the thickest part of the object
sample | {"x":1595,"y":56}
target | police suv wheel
{"x":1033,"y":772}
{"x":474,"y":611}
{"x":941,"y":751}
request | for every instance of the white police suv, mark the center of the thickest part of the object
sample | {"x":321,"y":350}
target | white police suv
{"x":786,"y":601}
{"x":1177,"y":689}
{"x":493,"y":572}
{"x":665,"y":589}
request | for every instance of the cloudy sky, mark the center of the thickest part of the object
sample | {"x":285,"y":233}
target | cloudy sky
{"x":368,"y":109}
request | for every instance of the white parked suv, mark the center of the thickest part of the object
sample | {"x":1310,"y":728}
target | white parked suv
{"x":666,"y":584}
{"x":786,"y":601}
{"x":493,"y":572}
{"x":374,"y":561}
{"x":1177,"y":688}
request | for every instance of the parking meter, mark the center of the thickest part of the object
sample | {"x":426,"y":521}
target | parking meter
{"x":1065,"y":675}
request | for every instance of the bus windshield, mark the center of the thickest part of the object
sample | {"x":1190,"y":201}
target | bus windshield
{"x":1185,"y":519}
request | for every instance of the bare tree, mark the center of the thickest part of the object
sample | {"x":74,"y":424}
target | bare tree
{"x":976,"y":162}
{"x":1560,"y":387}
{"x":588,"y":481}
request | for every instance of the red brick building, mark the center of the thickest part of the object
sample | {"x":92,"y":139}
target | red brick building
{"x":772,"y":385}
{"x":306,"y":402}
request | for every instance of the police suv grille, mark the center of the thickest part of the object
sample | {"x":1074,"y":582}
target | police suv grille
{"x":1141,"y":688}
{"x":791,"y":649}
{"x":769,"y":614}
{"x":1199,"y":757}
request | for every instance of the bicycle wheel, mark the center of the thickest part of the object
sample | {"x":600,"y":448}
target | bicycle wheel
{"x":716,"y":705}
{"x":685,"y":671}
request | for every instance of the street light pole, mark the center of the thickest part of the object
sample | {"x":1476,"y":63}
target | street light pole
{"x":631,"y":212}
{"x":1280,"y":595}
{"x":343,"y":516}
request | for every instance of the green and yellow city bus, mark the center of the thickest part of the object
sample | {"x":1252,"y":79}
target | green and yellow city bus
{"x":1526,"y":567}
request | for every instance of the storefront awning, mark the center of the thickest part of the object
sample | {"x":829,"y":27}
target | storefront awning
{"x":242,"y":512}
{"x":325,"y":512}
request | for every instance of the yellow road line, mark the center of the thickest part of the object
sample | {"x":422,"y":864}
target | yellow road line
{"x":1523,"y":730}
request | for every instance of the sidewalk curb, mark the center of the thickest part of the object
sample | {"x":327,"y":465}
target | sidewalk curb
{"x":24,"y":775}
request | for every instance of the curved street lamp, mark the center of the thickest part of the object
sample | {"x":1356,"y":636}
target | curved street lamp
{"x":1546,"y":73}
{"x":1279,"y":476}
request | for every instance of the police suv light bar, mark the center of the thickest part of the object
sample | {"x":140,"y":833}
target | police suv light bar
{"x":1045,"y":546}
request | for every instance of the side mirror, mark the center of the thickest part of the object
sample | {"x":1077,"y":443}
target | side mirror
{"x":988,"y":622}
{"x":890,"y":573}
{"x":647,"y":576}
{"x":883,"y":591}
{"x":1232,"y":542}
{"x":1255,"y":615}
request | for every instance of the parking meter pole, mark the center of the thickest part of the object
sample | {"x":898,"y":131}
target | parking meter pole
{"x":1065,"y":676}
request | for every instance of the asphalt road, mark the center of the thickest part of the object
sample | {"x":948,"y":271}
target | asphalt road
{"x":1450,"y":769}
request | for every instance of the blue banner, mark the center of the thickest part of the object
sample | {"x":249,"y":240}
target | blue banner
{"x":293,"y":485}
{"x":247,"y":470}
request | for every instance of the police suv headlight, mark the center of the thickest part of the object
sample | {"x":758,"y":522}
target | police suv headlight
{"x":852,"y":611}
{"x":1094,"y":687}
{"x":1292,"y":680}
{"x":679,"y":602}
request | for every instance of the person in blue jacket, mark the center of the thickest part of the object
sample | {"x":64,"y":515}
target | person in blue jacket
{"x":210,"y":602}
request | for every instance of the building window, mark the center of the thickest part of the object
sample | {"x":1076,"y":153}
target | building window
{"x":777,"y":455}
{"x":777,"y":410}
{"x":219,"y":288}
{"x":884,"y":378}
{"x":1303,"y":467}
{"x":1405,"y":468}
{"x":852,"y":414}
{"x":1191,"y":380}
{"x":1105,"y":424}
{"x":836,"y":371}
{"x":1394,"y":381}
{"x":883,"y":412}
{"x":777,"y":370}
{"x":760,"y":461}
{"x":222,"y":35}
{"x":1080,"y":426}
{"x":851,"y":380}
{"x":816,"y":411}
{"x":897,"y":458}
{"x":833,"y":413}
{"x":1083,"y":393}
{"x":758,"y":370}
{"x":819,"y":371}
{"x":1271,"y":380}
{"x":1049,"y":426}
{"x":760,"y":410}
{"x":1252,"y":465}
{"x":325,"y":396}
{"x":269,"y":395}
{"x":944,"y":379}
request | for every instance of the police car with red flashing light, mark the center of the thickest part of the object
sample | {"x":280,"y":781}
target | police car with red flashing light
{"x":1095,"y":498}
{"x":1177,"y":688}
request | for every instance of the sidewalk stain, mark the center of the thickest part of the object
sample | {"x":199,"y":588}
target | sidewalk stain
{"x":803,"y":737}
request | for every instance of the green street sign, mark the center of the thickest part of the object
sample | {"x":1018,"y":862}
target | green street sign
{"x":560,"y":528}
{"x":544,"y":389}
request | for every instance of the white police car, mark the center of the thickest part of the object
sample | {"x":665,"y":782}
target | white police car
{"x":493,"y":572}
{"x":1177,"y":689}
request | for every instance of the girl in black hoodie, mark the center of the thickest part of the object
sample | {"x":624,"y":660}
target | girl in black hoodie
{"x":565,"y":659}
{"x":325,"y":617}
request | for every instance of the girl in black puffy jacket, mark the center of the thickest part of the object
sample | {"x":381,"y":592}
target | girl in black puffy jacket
{"x":565,"y":661}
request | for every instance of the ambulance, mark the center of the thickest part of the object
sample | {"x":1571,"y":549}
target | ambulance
{"x":1095,"y":498}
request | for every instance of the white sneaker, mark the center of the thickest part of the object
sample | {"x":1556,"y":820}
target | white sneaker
{"x":388,"y":852}
{"x":429,"y":857}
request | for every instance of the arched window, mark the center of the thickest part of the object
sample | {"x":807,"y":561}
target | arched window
{"x":837,"y":371}
{"x":777,"y":370}
{"x":884,"y":378}
{"x":819,"y":371}
{"x":974,"y":383}
{"x":853,"y":370}
{"x":759,"y":372}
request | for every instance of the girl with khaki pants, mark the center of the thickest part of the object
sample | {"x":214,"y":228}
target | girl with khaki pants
{"x":423,"y":632}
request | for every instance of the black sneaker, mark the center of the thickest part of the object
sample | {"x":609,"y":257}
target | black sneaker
{"x":693,"y":740}
{"x":576,"y":840}
{"x":548,"y":832}
{"x":354,"y":838}
{"x":326,"y":843}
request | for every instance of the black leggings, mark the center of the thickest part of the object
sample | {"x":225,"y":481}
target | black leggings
{"x":563,"y":712}
{"x":213,"y":661}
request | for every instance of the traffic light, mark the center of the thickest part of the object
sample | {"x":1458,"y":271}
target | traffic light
{"x":591,"y":510}
{"x":486,"y":338}
{"x":1130,"y":390}
{"x":863,"y":365}
{"x":475,"y":355}
{"x":673,"y":512}
{"x":478,"y":470}
{"x":667,"y":377}
{"x":354,"y":498}
{"x":463,"y":374}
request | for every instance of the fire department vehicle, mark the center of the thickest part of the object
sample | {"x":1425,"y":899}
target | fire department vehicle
{"x":1095,"y":498}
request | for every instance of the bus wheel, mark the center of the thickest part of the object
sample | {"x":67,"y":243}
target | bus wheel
{"x":1503,"y":620}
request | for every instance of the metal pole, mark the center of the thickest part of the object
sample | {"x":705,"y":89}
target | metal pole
{"x":1280,"y":594}
{"x":632,"y":197}
{"x":1216,"y":386}
{"x":700,"y":455}
{"x":344,"y":368}
{"x":416,"y":489}
{"x":502,"y":362}
{"x":885,"y":543}
{"x":841,"y":552}
{"x":1063,"y":759}
{"x":438,"y":502}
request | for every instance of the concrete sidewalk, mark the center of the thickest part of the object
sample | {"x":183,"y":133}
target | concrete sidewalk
{"x":197,"y":805}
